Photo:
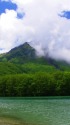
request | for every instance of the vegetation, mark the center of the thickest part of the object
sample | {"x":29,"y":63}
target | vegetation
{"x":7,"y":68}
{"x":38,"y":84}
{"x":22,"y":73}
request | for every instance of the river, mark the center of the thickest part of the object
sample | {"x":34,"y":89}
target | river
{"x":35,"y":111}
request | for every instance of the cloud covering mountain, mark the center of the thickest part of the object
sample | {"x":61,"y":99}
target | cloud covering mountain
{"x":43,"y":23}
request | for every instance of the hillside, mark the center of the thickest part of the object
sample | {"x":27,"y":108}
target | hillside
{"x":23,"y":59}
{"x":20,"y":54}
{"x":22,"y":73}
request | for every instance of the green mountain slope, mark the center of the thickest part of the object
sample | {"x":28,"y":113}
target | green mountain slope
{"x":10,"y":68}
{"x":20,"y":54}
{"x":22,"y":73}
{"x":23,"y":59}
{"x":25,"y":54}
{"x":28,"y":68}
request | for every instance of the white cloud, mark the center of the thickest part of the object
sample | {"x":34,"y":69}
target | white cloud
{"x":41,"y":24}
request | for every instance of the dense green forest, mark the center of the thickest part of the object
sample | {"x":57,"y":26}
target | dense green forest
{"x":38,"y":84}
{"x":22,"y":73}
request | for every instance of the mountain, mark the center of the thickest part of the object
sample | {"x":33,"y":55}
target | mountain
{"x":20,"y":54}
{"x":24,"y":54}
{"x":23,"y":59}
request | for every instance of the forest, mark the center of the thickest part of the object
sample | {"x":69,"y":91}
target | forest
{"x":23,"y":73}
{"x":38,"y":84}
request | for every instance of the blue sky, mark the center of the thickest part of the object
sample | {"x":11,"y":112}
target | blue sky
{"x":10,"y":6}
{"x":65,"y":14}
{"x":7,"y":5}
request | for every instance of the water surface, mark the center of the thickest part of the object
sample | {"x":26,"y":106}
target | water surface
{"x":35,"y":111}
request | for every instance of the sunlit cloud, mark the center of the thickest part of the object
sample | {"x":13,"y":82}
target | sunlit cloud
{"x":43,"y":23}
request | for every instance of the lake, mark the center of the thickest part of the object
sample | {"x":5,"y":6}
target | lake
{"x":35,"y":111}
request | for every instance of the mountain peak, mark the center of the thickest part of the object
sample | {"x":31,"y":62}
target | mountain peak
{"x":26,"y":44}
{"x":21,"y":54}
{"x":22,"y":46}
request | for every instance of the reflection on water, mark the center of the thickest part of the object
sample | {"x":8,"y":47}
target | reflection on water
{"x":35,"y":111}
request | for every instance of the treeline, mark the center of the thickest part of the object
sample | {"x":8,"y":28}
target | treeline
{"x":38,"y":84}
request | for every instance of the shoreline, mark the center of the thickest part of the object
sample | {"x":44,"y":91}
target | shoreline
{"x":9,"y":121}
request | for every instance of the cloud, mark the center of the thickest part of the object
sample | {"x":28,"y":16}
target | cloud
{"x":41,"y":25}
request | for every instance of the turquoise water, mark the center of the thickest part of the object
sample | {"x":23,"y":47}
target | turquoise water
{"x":37,"y":111}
